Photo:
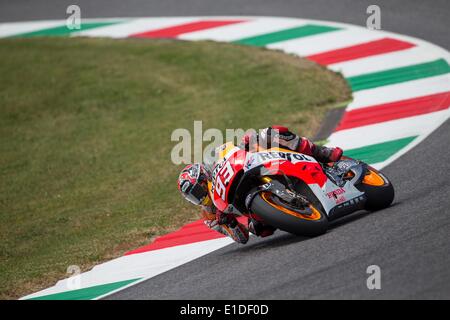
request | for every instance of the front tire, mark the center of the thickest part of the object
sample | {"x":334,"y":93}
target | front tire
{"x":378,"y":190}
{"x":266,"y":206}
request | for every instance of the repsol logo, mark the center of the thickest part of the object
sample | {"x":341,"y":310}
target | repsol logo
{"x":293,"y":157}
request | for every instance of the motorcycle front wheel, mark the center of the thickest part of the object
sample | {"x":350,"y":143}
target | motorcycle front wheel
{"x":378,"y":190}
{"x":278,"y":214}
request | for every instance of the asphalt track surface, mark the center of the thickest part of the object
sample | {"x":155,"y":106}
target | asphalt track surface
{"x":409,"y":241}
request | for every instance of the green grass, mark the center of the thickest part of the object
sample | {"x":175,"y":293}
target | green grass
{"x":85,"y":169}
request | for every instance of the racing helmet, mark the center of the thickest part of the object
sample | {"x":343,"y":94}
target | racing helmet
{"x":193,"y":183}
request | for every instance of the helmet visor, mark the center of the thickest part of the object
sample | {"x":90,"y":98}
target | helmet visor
{"x":196,"y":194}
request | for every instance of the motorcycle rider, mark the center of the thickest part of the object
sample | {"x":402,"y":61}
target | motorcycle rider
{"x":194,"y":178}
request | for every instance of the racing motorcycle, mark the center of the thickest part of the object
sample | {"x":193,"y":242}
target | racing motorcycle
{"x":292,"y":191}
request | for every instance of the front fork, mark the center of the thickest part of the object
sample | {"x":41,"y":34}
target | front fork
{"x":266,"y":179}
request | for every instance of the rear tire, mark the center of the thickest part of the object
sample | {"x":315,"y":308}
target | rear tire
{"x":378,"y":196}
{"x":288,"y":222}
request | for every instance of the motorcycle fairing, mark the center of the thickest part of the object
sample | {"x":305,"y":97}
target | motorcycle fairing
{"x":331,"y":195}
{"x":276,"y":161}
{"x":229,"y":164}
{"x":280,"y":161}
{"x":306,"y":168}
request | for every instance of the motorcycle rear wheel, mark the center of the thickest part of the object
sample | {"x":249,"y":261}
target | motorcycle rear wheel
{"x":274,"y":213}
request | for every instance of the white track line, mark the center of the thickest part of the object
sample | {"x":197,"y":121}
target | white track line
{"x":15,"y":28}
{"x":383,"y":62}
{"x":400,"y":91}
{"x":327,"y":41}
{"x":387,"y":131}
{"x":141,"y":265}
{"x":126,"y":29}
{"x":254,"y":27}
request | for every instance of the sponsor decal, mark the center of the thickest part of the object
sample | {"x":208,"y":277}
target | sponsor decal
{"x":216,"y":170}
{"x":340,"y":200}
{"x":335,"y":193}
{"x":350,"y":202}
{"x":222,"y":174}
{"x":278,"y":155}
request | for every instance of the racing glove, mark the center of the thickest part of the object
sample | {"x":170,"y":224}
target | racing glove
{"x":276,"y":136}
{"x":324,"y":154}
{"x":320,"y":153}
{"x":281,"y":136}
